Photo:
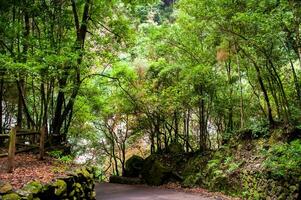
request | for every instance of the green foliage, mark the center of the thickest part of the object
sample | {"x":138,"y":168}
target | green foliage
{"x":259,"y":128}
{"x":284,"y":160}
{"x":66,"y":159}
{"x":99,"y":174}
{"x":56,"y":153}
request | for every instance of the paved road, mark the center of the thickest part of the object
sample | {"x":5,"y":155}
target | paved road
{"x":108,"y":191}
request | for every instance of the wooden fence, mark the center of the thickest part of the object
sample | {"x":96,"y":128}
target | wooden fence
{"x":17,"y":137}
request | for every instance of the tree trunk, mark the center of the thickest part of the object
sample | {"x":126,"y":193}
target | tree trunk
{"x":1,"y":105}
{"x":176,"y":126}
{"x":202,"y":131}
{"x":241,"y":94}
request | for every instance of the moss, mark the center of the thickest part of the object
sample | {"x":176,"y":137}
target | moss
{"x":12,"y":196}
{"x":84,"y":172}
{"x":60,"y":187}
{"x":154,"y":173}
{"x":5,"y":188}
{"x":33,"y":187}
{"x":78,"y":190}
{"x":276,"y":136}
{"x":194,"y":165}
{"x":133,"y":166}
{"x":93,"y":195}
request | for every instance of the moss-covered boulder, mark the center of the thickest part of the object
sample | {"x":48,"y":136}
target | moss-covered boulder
{"x":84,"y":173}
{"x":31,"y":190}
{"x":60,"y":187}
{"x":78,"y":191}
{"x":154,"y":172}
{"x":175,"y":148}
{"x":133,"y":166}
{"x":11,"y":196}
{"x":5,"y":188}
{"x":34,"y":187}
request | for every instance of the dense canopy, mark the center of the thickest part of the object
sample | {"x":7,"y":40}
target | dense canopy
{"x":123,"y":77}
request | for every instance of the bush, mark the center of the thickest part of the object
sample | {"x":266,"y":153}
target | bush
{"x":55,"y":153}
{"x":284,"y":160}
{"x":58,"y":154}
{"x":66,"y":159}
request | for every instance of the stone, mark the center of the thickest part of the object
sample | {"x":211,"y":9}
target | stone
{"x":84,"y":172}
{"x":79,"y":186}
{"x":5,"y":188}
{"x":33,"y":187}
{"x":133,"y":166}
{"x":25,"y":194}
{"x":154,"y":173}
{"x":60,"y":187}
{"x":11,"y":196}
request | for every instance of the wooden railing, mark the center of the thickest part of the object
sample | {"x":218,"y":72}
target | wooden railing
{"x":13,"y":136}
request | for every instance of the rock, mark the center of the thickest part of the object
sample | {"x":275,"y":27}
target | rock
{"x":5,"y":188}
{"x":60,"y":187}
{"x":25,"y":194}
{"x":30,"y":190}
{"x":11,"y":196}
{"x":154,"y":173}
{"x":133,"y":166}
{"x":78,"y":190}
{"x":79,"y":186}
{"x":84,"y":172}
{"x":33,"y":187}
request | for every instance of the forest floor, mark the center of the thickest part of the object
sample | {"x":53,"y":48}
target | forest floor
{"x":29,"y":168}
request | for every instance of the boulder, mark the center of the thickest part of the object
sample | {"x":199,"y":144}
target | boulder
{"x":133,"y":166}
{"x":5,"y":188}
{"x":154,"y":172}
{"x":31,"y":189}
{"x":11,"y":196}
{"x":60,"y":187}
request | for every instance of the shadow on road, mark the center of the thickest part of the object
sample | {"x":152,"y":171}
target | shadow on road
{"x":108,"y":191}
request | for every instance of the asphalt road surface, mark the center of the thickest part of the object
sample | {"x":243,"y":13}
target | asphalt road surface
{"x":109,"y":191}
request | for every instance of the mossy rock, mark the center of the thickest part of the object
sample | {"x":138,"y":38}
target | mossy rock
{"x":154,"y":173}
{"x":11,"y":196}
{"x":276,"y":136}
{"x":133,"y":166}
{"x":60,"y":187}
{"x":78,"y":191}
{"x":33,"y":187}
{"x":5,"y":188}
{"x":84,"y":173}
{"x":175,"y":148}
{"x":195,"y":165}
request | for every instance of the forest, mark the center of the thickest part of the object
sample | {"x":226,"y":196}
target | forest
{"x":192,"y":93}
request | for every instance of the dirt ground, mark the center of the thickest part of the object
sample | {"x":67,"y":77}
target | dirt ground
{"x":29,"y":168}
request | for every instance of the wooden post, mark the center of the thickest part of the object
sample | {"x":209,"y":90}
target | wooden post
{"x":42,"y":143}
{"x":12,"y":150}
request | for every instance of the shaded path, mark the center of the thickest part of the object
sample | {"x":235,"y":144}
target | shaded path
{"x":109,"y":191}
